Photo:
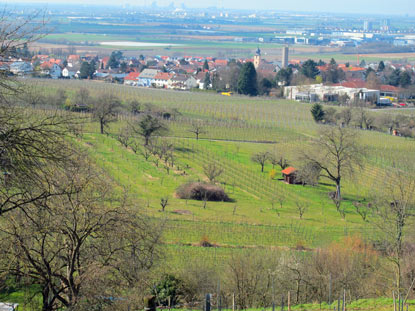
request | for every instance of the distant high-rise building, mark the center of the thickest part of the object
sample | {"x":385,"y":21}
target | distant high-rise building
{"x":284,"y":61}
{"x":257,"y":58}
{"x":367,"y":26}
{"x":385,"y":25}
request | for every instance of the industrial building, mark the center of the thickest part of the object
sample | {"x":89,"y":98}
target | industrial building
{"x":325,"y":93}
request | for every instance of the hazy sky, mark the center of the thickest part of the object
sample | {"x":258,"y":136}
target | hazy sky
{"x":347,"y":6}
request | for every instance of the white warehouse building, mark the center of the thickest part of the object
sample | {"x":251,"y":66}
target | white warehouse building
{"x":326,"y":93}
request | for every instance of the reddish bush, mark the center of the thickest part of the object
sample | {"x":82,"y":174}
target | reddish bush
{"x":202,"y":192}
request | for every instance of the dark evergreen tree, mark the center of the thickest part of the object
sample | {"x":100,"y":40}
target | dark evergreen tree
{"x":265,"y":86}
{"x":394,"y":77}
{"x":368,"y":71}
{"x":404,"y":79}
{"x":321,"y":63}
{"x":317,"y":112}
{"x":284,"y":76}
{"x":205,"y":65}
{"x":114,"y":61}
{"x":87,"y":70}
{"x":123,"y":67}
{"x":381,"y":66}
{"x":247,"y":81}
{"x":309,"y":69}
{"x":207,"y":81}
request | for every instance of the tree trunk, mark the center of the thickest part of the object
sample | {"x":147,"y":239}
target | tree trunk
{"x":102,"y":127}
{"x":338,"y":191}
{"x":47,"y":304}
{"x":262,"y":168}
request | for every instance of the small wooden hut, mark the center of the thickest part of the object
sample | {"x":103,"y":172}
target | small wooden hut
{"x":289,"y":175}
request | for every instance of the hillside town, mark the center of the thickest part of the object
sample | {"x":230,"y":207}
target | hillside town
{"x":377,"y":83}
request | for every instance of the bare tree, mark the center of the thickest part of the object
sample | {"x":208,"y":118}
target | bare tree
{"x":149,"y":126}
{"x":197,"y":129}
{"x":395,"y":209}
{"x":105,"y":109}
{"x":337,"y":153}
{"x":261,"y":158}
{"x":124,"y":136}
{"x":16,"y":32}
{"x":83,"y":99}
{"x":309,"y":174}
{"x":67,"y":244}
{"x":212,"y":171}
{"x":164,"y":201}
{"x":32,"y":149}
{"x":363,"y":119}
{"x":302,"y":208}
{"x":278,"y":159}
{"x":345,"y":116}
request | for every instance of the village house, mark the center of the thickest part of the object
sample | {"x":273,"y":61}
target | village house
{"x":51,"y":69}
{"x":73,"y":60}
{"x":21,"y":68}
{"x":182,"y":82}
{"x":161,"y":79}
{"x":146,"y":77}
{"x":132,"y":79}
{"x":70,"y":72}
{"x":200,"y":79}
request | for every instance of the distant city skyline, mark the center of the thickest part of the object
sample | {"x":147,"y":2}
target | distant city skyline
{"x":402,"y":7}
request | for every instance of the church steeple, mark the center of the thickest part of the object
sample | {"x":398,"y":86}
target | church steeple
{"x":257,"y":58}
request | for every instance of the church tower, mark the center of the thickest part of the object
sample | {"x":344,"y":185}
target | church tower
{"x":257,"y":58}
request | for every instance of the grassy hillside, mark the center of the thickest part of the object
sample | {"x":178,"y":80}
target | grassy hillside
{"x":236,"y":127}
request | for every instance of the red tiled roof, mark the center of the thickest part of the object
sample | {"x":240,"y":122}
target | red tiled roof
{"x":163,"y":76}
{"x":289,"y":170}
{"x":354,"y":84}
{"x":73,"y":57}
{"x":389,"y":88}
{"x":40,"y":56}
{"x":354,"y":69}
{"x":221,"y":62}
{"x":132,"y":76}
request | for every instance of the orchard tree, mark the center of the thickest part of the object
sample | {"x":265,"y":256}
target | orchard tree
{"x":149,"y":126}
{"x":261,"y":158}
{"x":336,"y":153}
{"x":247,"y":80}
{"x":197,"y":129}
{"x":212,"y":171}
{"x":105,"y":110}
